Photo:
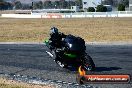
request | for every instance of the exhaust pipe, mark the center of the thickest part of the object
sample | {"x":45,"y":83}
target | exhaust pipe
{"x":49,"y":53}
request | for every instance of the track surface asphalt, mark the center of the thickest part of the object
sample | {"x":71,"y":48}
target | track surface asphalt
{"x":32,"y":60}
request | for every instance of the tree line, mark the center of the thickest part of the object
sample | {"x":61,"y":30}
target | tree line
{"x":62,"y":4}
{"x":5,"y":5}
{"x":115,"y":3}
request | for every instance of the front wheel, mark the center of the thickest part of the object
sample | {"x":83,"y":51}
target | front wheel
{"x":88,"y":63}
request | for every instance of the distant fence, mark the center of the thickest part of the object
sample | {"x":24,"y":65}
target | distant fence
{"x":100,"y":14}
{"x":71,"y":15}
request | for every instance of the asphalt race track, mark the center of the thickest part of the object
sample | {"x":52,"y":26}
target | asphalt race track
{"x":32,"y":60}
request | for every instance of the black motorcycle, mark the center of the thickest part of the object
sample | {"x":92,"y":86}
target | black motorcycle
{"x":72,"y":52}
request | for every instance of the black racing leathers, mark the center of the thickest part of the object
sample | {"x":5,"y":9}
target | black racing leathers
{"x":56,"y":40}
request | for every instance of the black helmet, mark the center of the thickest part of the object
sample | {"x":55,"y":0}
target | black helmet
{"x":54,"y":30}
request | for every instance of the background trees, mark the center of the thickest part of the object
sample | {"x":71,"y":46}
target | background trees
{"x":101,"y":8}
{"x":38,"y":5}
{"x":125,"y":3}
{"x":5,"y":5}
{"x":121,"y":7}
{"x":18,"y":5}
{"x":91,"y":9}
{"x":56,"y":4}
{"x":61,"y":4}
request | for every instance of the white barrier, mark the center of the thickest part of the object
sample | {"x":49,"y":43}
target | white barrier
{"x":20,"y":16}
{"x":31,"y":16}
{"x":69,"y":15}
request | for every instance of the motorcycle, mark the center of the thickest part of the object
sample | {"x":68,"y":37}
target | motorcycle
{"x":72,"y":52}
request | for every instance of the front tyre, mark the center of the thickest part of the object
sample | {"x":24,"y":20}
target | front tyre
{"x":88,"y":63}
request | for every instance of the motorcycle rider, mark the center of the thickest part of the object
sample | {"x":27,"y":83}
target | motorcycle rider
{"x":55,"y":38}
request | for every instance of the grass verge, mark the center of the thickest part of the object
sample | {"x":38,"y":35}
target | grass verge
{"x":91,"y":29}
{"x":4,"y":83}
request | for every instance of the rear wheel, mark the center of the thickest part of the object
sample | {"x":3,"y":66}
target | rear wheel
{"x":88,"y":63}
